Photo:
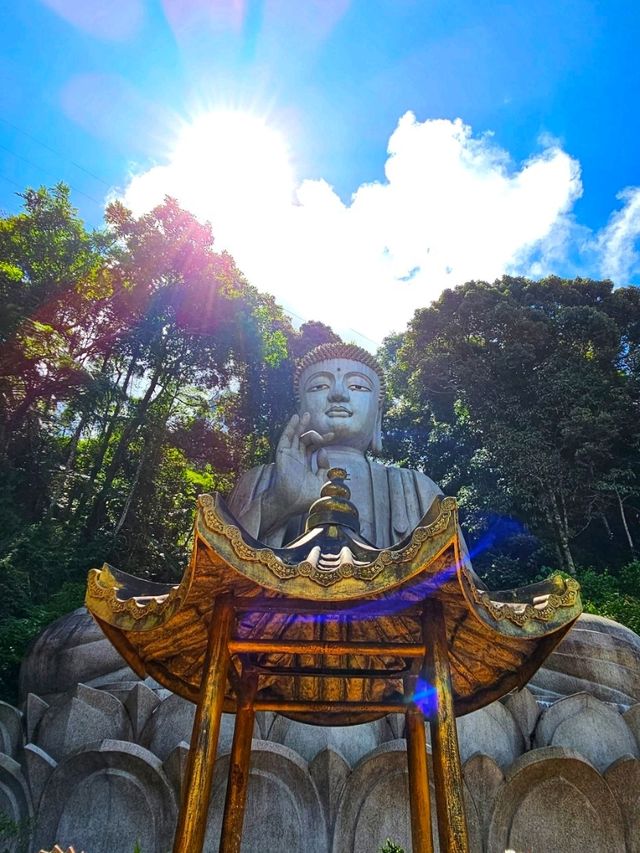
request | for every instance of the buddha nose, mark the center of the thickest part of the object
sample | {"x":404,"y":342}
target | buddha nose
{"x":340,"y":392}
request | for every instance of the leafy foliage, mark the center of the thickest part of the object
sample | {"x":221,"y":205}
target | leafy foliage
{"x":390,"y":847}
{"x":523,"y":398}
{"x":613,"y":594}
{"x":14,"y":835}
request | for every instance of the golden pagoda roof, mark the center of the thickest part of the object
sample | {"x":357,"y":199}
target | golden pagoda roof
{"x":330,"y":586}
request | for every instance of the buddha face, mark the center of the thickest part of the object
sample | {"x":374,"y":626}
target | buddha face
{"x":342,"y":396}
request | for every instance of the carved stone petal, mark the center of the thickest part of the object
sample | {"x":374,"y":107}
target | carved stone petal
{"x":283,"y":811}
{"x":81,"y":718}
{"x":174,"y":767}
{"x":351,"y":742}
{"x":89,"y":788}
{"x":330,"y":772}
{"x":554,"y":800}
{"x":39,"y":766}
{"x":573,"y":722}
{"x":483,"y":779}
{"x":35,"y":708}
{"x":492,"y":731}
{"x":623,"y":777}
{"x":375,"y":805}
{"x":15,"y":801}
{"x":140,"y":703}
{"x":525,"y":710}
{"x":632,"y":719}
{"x":11,"y":734}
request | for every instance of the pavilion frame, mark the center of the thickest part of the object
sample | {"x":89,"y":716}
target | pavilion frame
{"x":429,"y":660}
{"x":437,"y":613}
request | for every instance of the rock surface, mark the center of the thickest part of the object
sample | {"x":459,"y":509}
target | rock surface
{"x":71,"y":650}
{"x":598,"y":656}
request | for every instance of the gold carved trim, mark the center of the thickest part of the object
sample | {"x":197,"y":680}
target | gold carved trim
{"x":305,"y":569}
{"x":521,"y":614}
{"x":136,"y":613}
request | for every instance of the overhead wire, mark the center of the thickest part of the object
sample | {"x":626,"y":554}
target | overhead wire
{"x":11,"y":181}
{"x":43,"y":169}
{"x":55,"y":151}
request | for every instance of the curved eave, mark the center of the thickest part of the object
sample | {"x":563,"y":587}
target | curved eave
{"x":392,"y":567}
{"x":132,"y":604}
{"x":496,"y":647}
{"x":559,"y":605}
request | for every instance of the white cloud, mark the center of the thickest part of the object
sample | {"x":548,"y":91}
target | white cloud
{"x":453,"y":207}
{"x":617,"y":243}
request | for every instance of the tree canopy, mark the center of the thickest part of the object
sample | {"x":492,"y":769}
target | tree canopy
{"x":523,"y":397}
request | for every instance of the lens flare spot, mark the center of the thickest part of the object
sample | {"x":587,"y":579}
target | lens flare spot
{"x":425,"y":697}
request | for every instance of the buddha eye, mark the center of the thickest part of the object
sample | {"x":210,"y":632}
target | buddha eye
{"x":319,"y":386}
{"x":355,"y":386}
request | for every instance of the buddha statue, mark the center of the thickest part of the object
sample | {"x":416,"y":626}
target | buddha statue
{"x":340,"y":391}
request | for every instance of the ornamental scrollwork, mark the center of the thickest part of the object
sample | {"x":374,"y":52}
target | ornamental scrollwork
{"x":283,"y":571}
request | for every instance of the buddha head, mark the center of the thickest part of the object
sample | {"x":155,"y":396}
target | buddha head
{"x":342,"y":387}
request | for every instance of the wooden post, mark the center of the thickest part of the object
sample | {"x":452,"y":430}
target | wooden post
{"x":447,"y":772}
{"x":238,"y":781}
{"x":418,"y":782}
{"x":192,"y":820}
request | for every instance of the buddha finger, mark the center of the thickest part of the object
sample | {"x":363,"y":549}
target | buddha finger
{"x":301,"y":428}
{"x":288,"y":434}
{"x":322,"y":460}
{"x":311,"y":439}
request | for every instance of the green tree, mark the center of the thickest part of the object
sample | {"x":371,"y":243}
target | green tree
{"x":51,"y":276}
{"x":391,"y":847}
{"x":529,"y":393}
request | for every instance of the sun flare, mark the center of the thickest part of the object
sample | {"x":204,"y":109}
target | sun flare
{"x":237,"y":158}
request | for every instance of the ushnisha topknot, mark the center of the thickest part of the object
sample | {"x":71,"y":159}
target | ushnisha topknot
{"x":337,"y":350}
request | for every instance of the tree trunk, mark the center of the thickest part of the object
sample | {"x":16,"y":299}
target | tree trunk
{"x":127,"y":434}
{"x":105,"y":440}
{"x":605,"y":524}
{"x":15,"y":420}
{"x":561,"y":533}
{"x":68,"y":465}
{"x":623,"y":516}
{"x":132,"y":491}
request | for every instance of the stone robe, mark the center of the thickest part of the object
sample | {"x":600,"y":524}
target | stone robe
{"x":401,"y":497}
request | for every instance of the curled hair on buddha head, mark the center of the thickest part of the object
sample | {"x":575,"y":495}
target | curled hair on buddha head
{"x":325,"y":352}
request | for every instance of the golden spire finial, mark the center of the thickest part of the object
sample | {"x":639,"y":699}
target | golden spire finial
{"x":333,"y":506}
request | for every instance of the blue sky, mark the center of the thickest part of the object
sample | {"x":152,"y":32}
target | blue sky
{"x":97,"y":93}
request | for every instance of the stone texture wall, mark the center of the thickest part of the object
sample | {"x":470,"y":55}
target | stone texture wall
{"x":101,"y":767}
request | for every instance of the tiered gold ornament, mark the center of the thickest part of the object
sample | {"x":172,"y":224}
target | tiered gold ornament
{"x":333,"y":631}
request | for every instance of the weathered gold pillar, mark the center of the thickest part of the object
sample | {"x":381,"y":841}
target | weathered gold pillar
{"x":418,"y":782}
{"x":238,"y":781}
{"x":192,"y":820}
{"x":447,"y":772}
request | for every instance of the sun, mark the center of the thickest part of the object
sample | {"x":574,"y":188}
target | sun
{"x":232,"y":159}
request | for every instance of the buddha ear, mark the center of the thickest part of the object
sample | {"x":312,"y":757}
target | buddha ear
{"x":376,"y":441}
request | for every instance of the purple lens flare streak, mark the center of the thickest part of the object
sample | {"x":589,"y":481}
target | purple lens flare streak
{"x":425,"y":696}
